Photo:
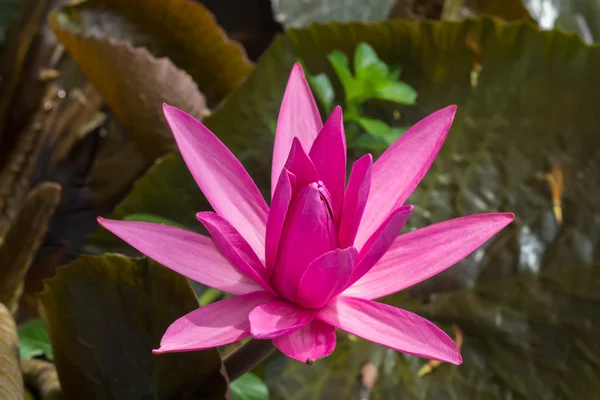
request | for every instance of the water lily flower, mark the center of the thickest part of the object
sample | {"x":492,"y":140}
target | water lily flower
{"x":322,"y":252}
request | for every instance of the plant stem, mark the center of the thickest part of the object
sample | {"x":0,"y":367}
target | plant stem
{"x":248,"y":356}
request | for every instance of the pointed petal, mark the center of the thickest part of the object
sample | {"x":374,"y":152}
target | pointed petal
{"x":328,"y":153}
{"x":400,"y":169}
{"x":234,"y":247}
{"x":308,"y":233}
{"x":221,"y":177}
{"x":301,"y":166}
{"x":187,"y":253}
{"x":314,"y":341}
{"x":391,"y":327}
{"x":355,"y":199}
{"x":277,"y":318}
{"x":298,"y":118}
{"x":380,"y":241}
{"x":421,"y":254}
{"x":213,"y":325}
{"x":326,"y":277}
{"x":279,"y":208}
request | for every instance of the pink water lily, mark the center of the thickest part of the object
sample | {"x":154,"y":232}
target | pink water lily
{"x":315,"y":259}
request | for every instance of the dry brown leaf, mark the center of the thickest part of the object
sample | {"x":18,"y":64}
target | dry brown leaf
{"x":19,"y":246}
{"x":135,"y":53}
{"x":11,"y":382}
{"x":40,"y":376}
{"x":135,"y":84}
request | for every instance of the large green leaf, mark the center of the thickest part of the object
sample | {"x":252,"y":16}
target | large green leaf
{"x":106,"y":314}
{"x":532,"y":105}
{"x":507,"y":132}
{"x":531,"y":337}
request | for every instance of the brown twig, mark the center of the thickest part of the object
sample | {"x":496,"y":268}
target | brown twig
{"x":11,"y":383}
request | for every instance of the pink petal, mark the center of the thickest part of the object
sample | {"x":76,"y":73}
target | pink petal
{"x":221,"y":177}
{"x":301,"y":166}
{"x":421,"y":254}
{"x":328,"y":153}
{"x":400,"y":169}
{"x":314,"y":341}
{"x":298,"y":118}
{"x":308,"y":233}
{"x":326,"y":277}
{"x":234,"y":247}
{"x":279,"y":208}
{"x":380,"y":241}
{"x":216,"y":324}
{"x":391,"y":327}
{"x":355,"y":199}
{"x":189,"y":254}
{"x":276,"y":318}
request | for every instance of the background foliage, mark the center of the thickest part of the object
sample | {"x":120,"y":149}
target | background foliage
{"x":86,"y":117}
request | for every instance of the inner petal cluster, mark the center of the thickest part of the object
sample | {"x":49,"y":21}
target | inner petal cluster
{"x":308,"y":233}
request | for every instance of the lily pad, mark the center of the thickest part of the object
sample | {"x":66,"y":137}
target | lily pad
{"x":118,"y":308}
{"x":528,"y":110}
{"x":530,"y":337}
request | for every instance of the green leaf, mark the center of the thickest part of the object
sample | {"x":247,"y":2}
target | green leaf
{"x":508,"y":131}
{"x":341,"y":66}
{"x":34,"y":340}
{"x":374,"y":127}
{"x":323,"y":90}
{"x":122,"y":308}
{"x":370,"y":143}
{"x":532,"y":337}
{"x":293,"y":13}
{"x":394,"y":73}
{"x":152,"y":218}
{"x":395,"y":133}
{"x":210,"y":295}
{"x":367,"y":66}
{"x":398,"y":92}
{"x":249,"y":387}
